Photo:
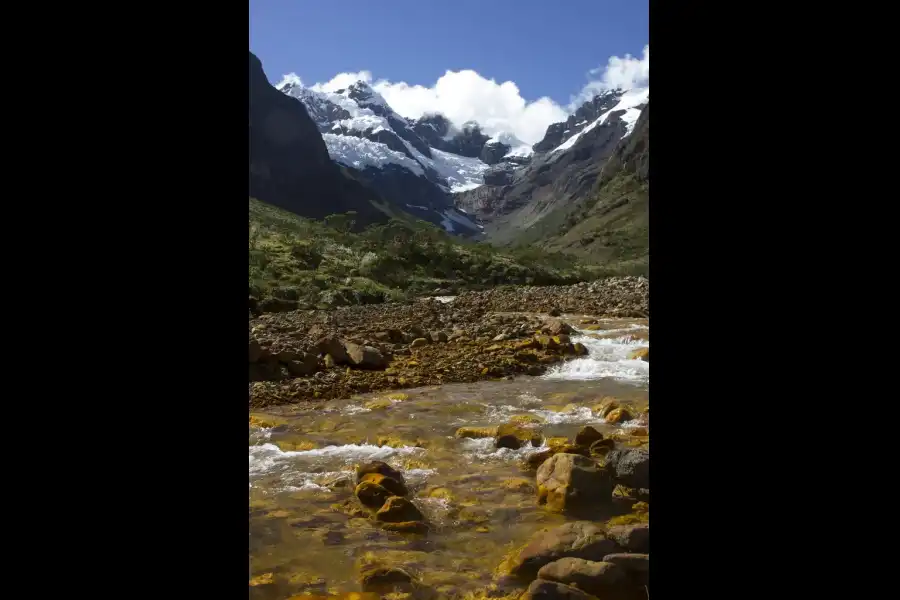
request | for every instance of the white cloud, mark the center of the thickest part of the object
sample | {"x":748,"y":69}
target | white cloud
{"x":498,"y":107}
{"x":342,"y":81}
{"x":626,"y":73}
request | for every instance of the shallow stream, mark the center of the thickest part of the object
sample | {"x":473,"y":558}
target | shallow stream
{"x":479,"y":501}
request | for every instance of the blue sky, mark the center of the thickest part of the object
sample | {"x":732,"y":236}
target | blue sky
{"x":545,"y":47}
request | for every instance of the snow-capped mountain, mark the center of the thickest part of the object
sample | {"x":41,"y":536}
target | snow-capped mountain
{"x":430,"y":166}
{"x":563,"y":166}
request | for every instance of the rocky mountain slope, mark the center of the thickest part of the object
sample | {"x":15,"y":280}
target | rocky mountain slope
{"x":609,"y":225}
{"x":563,"y":170}
{"x":415,"y":164}
{"x":289,"y":162}
{"x":492,"y":187}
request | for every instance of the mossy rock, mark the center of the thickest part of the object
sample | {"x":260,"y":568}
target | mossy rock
{"x":406,"y":527}
{"x":395,"y":487}
{"x":398,"y":510}
{"x":606,"y":406}
{"x":640,"y":354}
{"x":295,"y":445}
{"x":266,"y":421}
{"x":442,"y":493}
{"x":379,"y":404}
{"x":619,"y":415}
{"x":526,"y":419}
{"x":372,"y":495}
{"x":512,"y":435}
{"x":518,"y":484}
{"x":476,"y":432}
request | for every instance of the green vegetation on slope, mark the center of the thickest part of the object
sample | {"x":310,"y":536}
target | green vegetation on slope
{"x":609,"y":229}
{"x":326,"y":263}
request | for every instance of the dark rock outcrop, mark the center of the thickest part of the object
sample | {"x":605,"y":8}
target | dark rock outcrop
{"x":549,"y":182}
{"x":493,"y":153}
{"x":590,"y":111}
{"x":437,"y":130}
{"x":289,"y":163}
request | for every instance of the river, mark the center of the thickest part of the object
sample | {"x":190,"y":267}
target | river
{"x":479,"y":500}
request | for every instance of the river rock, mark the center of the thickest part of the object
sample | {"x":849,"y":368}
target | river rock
{"x":306,"y":365}
{"x":511,"y":435}
{"x":578,"y":539}
{"x":602,"y":447}
{"x":397,"y":510}
{"x":630,"y":467}
{"x":641,"y":353}
{"x":579,"y":349}
{"x":635,"y":566}
{"x":601,"y":579}
{"x":418,"y":343}
{"x":389,"y":483}
{"x":438,"y":336}
{"x":633,"y":538}
{"x":587,"y":436}
{"x":255,"y":351}
{"x":558,"y":328}
{"x":371,"y":494}
{"x":382,"y":579}
{"x":406,"y":527}
{"x":571,"y":481}
{"x":541,"y":589}
{"x":333,"y":346}
{"x":365,"y":357}
{"x":380,"y":467}
{"x":476,"y":432}
{"x":618,"y":415}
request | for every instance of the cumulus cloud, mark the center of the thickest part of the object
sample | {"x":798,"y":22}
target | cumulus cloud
{"x":626,"y":73}
{"x":343,"y":81}
{"x":465,"y":95}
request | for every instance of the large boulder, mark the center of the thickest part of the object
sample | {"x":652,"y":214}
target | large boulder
{"x":578,"y":539}
{"x":333,"y":346}
{"x":541,"y":589}
{"x":571,"y":482}
{"x":306,"y":364}
{"x":630,"y":467}
{"x":587,"y":436}
{"x":381,"y":468}
{"x":635,"y":566}
{"x":372,"y":495}
{"x":513,"y":435}
{"x":389,"y":483}
{"x":601,"y":579}
{"x":365,"y":357}
{"x":633,"y":538}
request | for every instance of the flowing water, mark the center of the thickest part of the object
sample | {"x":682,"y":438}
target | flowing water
{"x":479,"y":501}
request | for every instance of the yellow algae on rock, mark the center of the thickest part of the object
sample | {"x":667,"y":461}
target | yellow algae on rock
{"x":476,"y":432}
{"x":264,"y":579}
{"x":640,"y":354}
{"x":526,"y":419}
{"x":379,"y":404}
{"x":619,"y":415}
{"x":295,"y":445}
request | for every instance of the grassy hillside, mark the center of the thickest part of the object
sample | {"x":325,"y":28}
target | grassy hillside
{"x":326,"y":263}
{"x":609,"y":227}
